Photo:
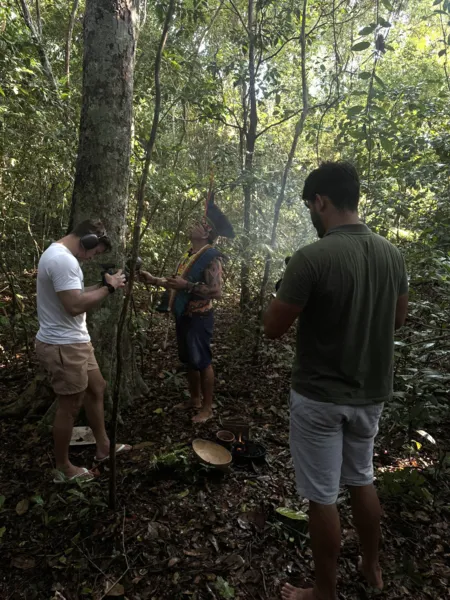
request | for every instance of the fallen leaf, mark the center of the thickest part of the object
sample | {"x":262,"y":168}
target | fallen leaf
{"x":256,"y":517}
{"x":143,"y":445}
{"x":2,"y":501}
{"x":115,"y":590}
{"x":421,"y":516}
{"x":243,"y":523}
{"x":195,"y":552}
{"x":2,"y":531}
{"x":233,"y":562}
{"x":173,"y":561}
{"x":224,"y":589}
{"x":37,"y":500}
{"x":22,"y":506}
{"x":298,"y":515}
{"x":23,"y":562}
{"x":156,"y":531}
{"x":252,"y":576}
{"x":213,"y":541}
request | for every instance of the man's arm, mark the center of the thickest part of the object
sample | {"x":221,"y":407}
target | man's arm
{"x":279,"y":317}
{"x":212,"y":288}
{"x":401,"y":308}
{"x":292,"y":296}
{"x":77,"y":302}
{"x":147,"y":277}
{"x":90,"y":288}
{"x":401,"y":311}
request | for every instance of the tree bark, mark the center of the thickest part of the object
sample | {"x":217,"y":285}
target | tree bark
{"x":102,"y":169}
{"x":250,"y":139}
{"x":121,"y":365}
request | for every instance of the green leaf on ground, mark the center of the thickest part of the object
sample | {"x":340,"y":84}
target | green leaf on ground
{"x":298,"y":515}
{"x":224,"y":589}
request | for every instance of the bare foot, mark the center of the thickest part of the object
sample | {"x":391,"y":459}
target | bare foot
{"x":202,"y":416}
{"x":289,"y":592}
{"x":192,"y":403}
{"x":372,"y":573}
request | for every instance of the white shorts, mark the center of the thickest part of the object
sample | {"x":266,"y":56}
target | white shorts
{"x":332,"y":446}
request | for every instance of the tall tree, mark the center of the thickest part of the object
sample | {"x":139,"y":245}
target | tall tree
{"x":102,"y":169}
{"x":250,"y":125}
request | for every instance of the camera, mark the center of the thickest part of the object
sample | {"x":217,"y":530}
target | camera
{"x":110,"y":269}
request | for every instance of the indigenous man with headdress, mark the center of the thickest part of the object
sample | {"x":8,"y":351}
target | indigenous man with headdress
{"x":198,"y":281}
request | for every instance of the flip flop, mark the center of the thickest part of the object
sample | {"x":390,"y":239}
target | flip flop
{"x":119,"y":450}
{"x":61,"y":478}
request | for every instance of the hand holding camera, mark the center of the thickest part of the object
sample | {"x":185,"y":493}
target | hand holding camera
{"x":117,"y":280}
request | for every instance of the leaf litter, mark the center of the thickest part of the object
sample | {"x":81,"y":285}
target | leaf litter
{"x":184,"y":531}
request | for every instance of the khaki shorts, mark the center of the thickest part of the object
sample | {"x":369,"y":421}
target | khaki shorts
{"x":67,"y":365}
{"x":331,"y":446}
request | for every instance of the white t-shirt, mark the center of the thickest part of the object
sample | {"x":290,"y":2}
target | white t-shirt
{"x":58,"y":271}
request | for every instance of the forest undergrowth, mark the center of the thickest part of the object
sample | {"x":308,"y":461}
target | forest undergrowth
{"x":182,"y":531}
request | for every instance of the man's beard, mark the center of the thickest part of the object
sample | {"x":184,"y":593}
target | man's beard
{"x":317,"y":222}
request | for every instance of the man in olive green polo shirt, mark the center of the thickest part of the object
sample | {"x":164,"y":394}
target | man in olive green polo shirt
{"x":349,"y":292}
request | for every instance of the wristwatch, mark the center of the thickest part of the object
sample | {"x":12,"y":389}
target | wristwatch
{"x":111,"y":288}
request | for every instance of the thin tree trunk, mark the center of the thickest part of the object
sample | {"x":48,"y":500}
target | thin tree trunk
{"x":248,"y":183}
{"x":287,"y":168}
{"x":103,"y":161}
{"x":135,"y":251}
{"x":37,"y":39}
{"x":38,"y":18}
{"x":68,"y":47}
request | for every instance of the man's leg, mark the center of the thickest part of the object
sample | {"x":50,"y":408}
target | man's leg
{"x":207,"y":386}
{"x":66,"y":367}
{"x":357,"y":473}
{"x":199,"y":346}
{"x":316,"y":447}
{"x":195,"y":389}
{"x":325,"y":534}
{"x":193,"y":376}
{"x":94,"y":406}
{"x":67,"y":410}
{"x":93,"y":402}
{"x":367,"y":515}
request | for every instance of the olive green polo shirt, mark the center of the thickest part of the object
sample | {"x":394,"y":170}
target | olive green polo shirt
{"x":347,"y":284}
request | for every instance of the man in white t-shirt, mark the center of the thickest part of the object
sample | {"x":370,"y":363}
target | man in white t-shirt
{"x":63,"y":344}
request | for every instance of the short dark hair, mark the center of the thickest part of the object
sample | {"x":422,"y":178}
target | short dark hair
{"x":94,"y":226}
{"x":337,"y":180}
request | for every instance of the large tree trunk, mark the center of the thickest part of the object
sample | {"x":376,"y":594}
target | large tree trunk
{"x":102,"y":170}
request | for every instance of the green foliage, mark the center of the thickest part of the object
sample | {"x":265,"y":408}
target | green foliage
{"x":378,"y":90}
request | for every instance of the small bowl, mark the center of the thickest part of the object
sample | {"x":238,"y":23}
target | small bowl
{"x":212,"y":454}
{"x":225,"y":437}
